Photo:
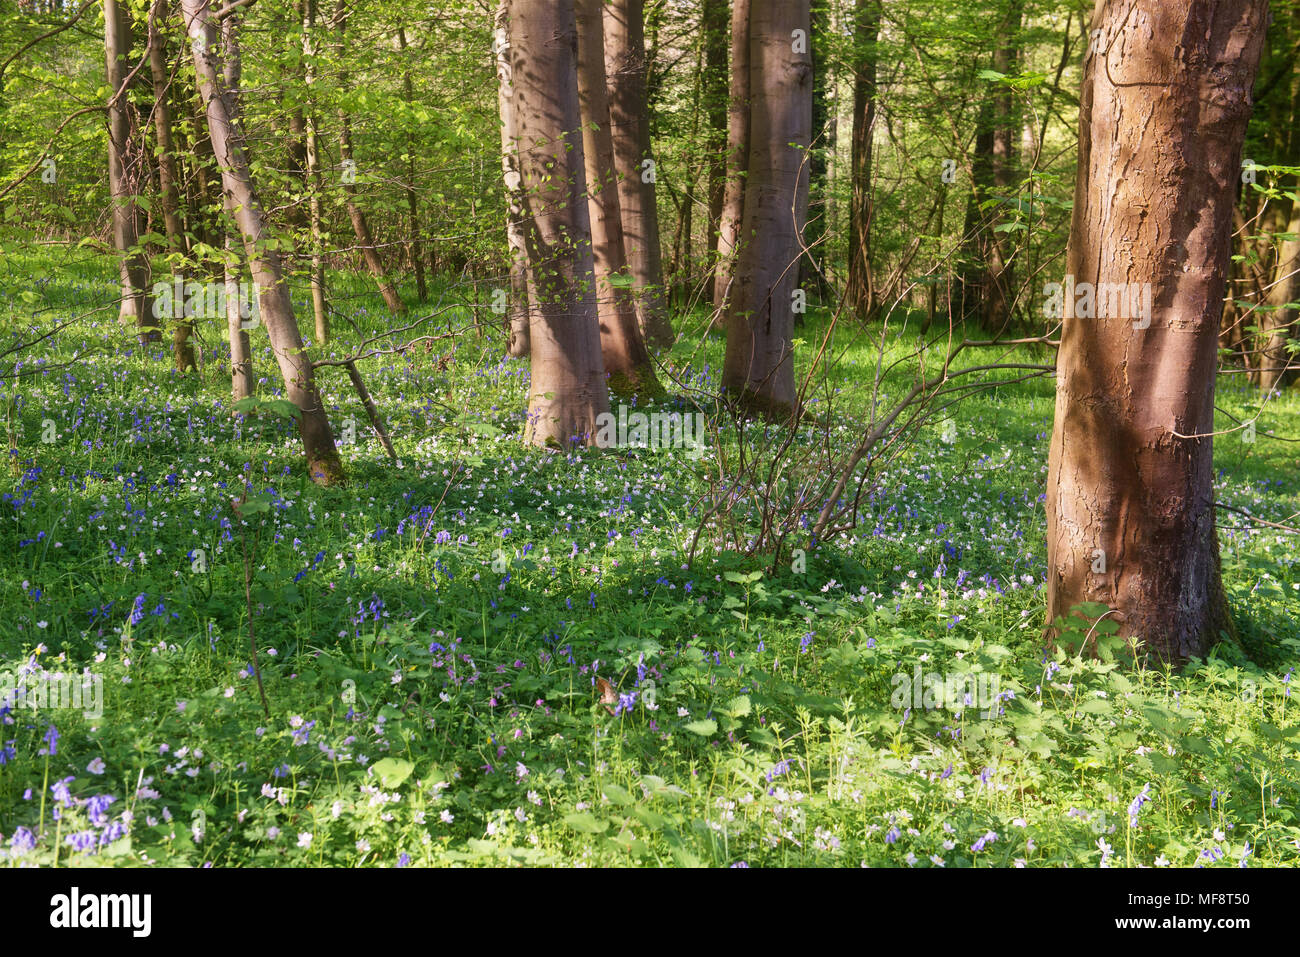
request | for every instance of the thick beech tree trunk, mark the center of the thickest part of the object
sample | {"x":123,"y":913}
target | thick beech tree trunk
{"x":517,"y":305}
{"x":125,"y":160}
{"x":759,"y":364}
{"x":276,"y":308}
{"x":737,"y":159}
{"x":861,"y":290}
{"x":1130,"y":501}
{"x":568,"y":390}
{"x":625,"y":71}
{"x":627,"y":360}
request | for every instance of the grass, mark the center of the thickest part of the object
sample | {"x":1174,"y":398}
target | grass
{"x":431,"y":637}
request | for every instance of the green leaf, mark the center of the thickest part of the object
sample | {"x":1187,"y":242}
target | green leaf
{"x":738,"y":707}
{"x":618,"y":795}
{"x":585,"y":823}
{"x":392,"y":771}
{"x":703,"y":728}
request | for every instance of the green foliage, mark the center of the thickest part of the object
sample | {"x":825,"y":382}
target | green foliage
{"x":433,"y":698}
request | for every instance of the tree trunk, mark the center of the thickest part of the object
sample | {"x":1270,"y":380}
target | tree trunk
{"x":733,"y":200}
{"x":242,"y":383}
{"x":360,"y":227}
{"x":987,"y":277}
{"x":1277,"y":319}
{"x":1000,"y":278}
{"x":624,"y":352}
{"x":1130,"y":505}
{"x":315,"y":211}
{"x":625,"y":72}
{"x":415,"y":248}
{"x":517,"y":306}
{"x":1277,"y":322}
{"x":276,"y":308}
{"x":124,"y":164}
{"x":713,"y":82}
{"x":168,"y":180}
{"x":567,"y":390}
{"x":861,"y":291}
{"x":812,"y":269}
{"x":759,"y":364}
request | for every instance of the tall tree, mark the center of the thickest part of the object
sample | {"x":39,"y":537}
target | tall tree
{"x":567,"y":390}
{"x":168,"y":178}
{"x":316,"y":184}
{"x":360,"y":225}
{"x":987,"y":275}
{"x":518,"y":304}
{"x":241,"y":348}
{"x":625,"y":71}
{"x":415,"y":248}
{"x":714,"y":20}
{"x":627,"y":360}
{"x":276,"y":308}
{"x":1130,"y":497}
{"x":861,"y":290}
{"x":1278,"y":318}
{"x":812,"y":265}
{"x":759,"y":363}
{"x":737,"y":160}
{"x":125,"y":174}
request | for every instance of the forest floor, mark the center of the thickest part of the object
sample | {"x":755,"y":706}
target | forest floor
{"x":430,"y":636}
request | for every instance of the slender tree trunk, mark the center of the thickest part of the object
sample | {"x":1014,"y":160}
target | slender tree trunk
{"x":1000,"y":279}
{"x":241,"y":351}
{"x":1277,"y":322}
{"x":759,"y":364}
{"x":1277,"y":319}
{"x":169,"y":191}
{"x":316,"y":183}
{"x":517,"y":307}
{"x":360,"y":227}
{"x":811,"y":268}
{"x":626,"y":358}
{"x":733,"y":201}
{"x":567,"y":390}
{"x":415,"y":248}
{"x":242,"y":384}
{"x":625,"y":72}
{"x":713,"y":83}
{"x":124,"y":164}
{"x":276,"y":308}
{"x":1130,"y":504}
{"x":680,"y":277}
{"x":986,"y":275}
{"x":861,"y":290}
